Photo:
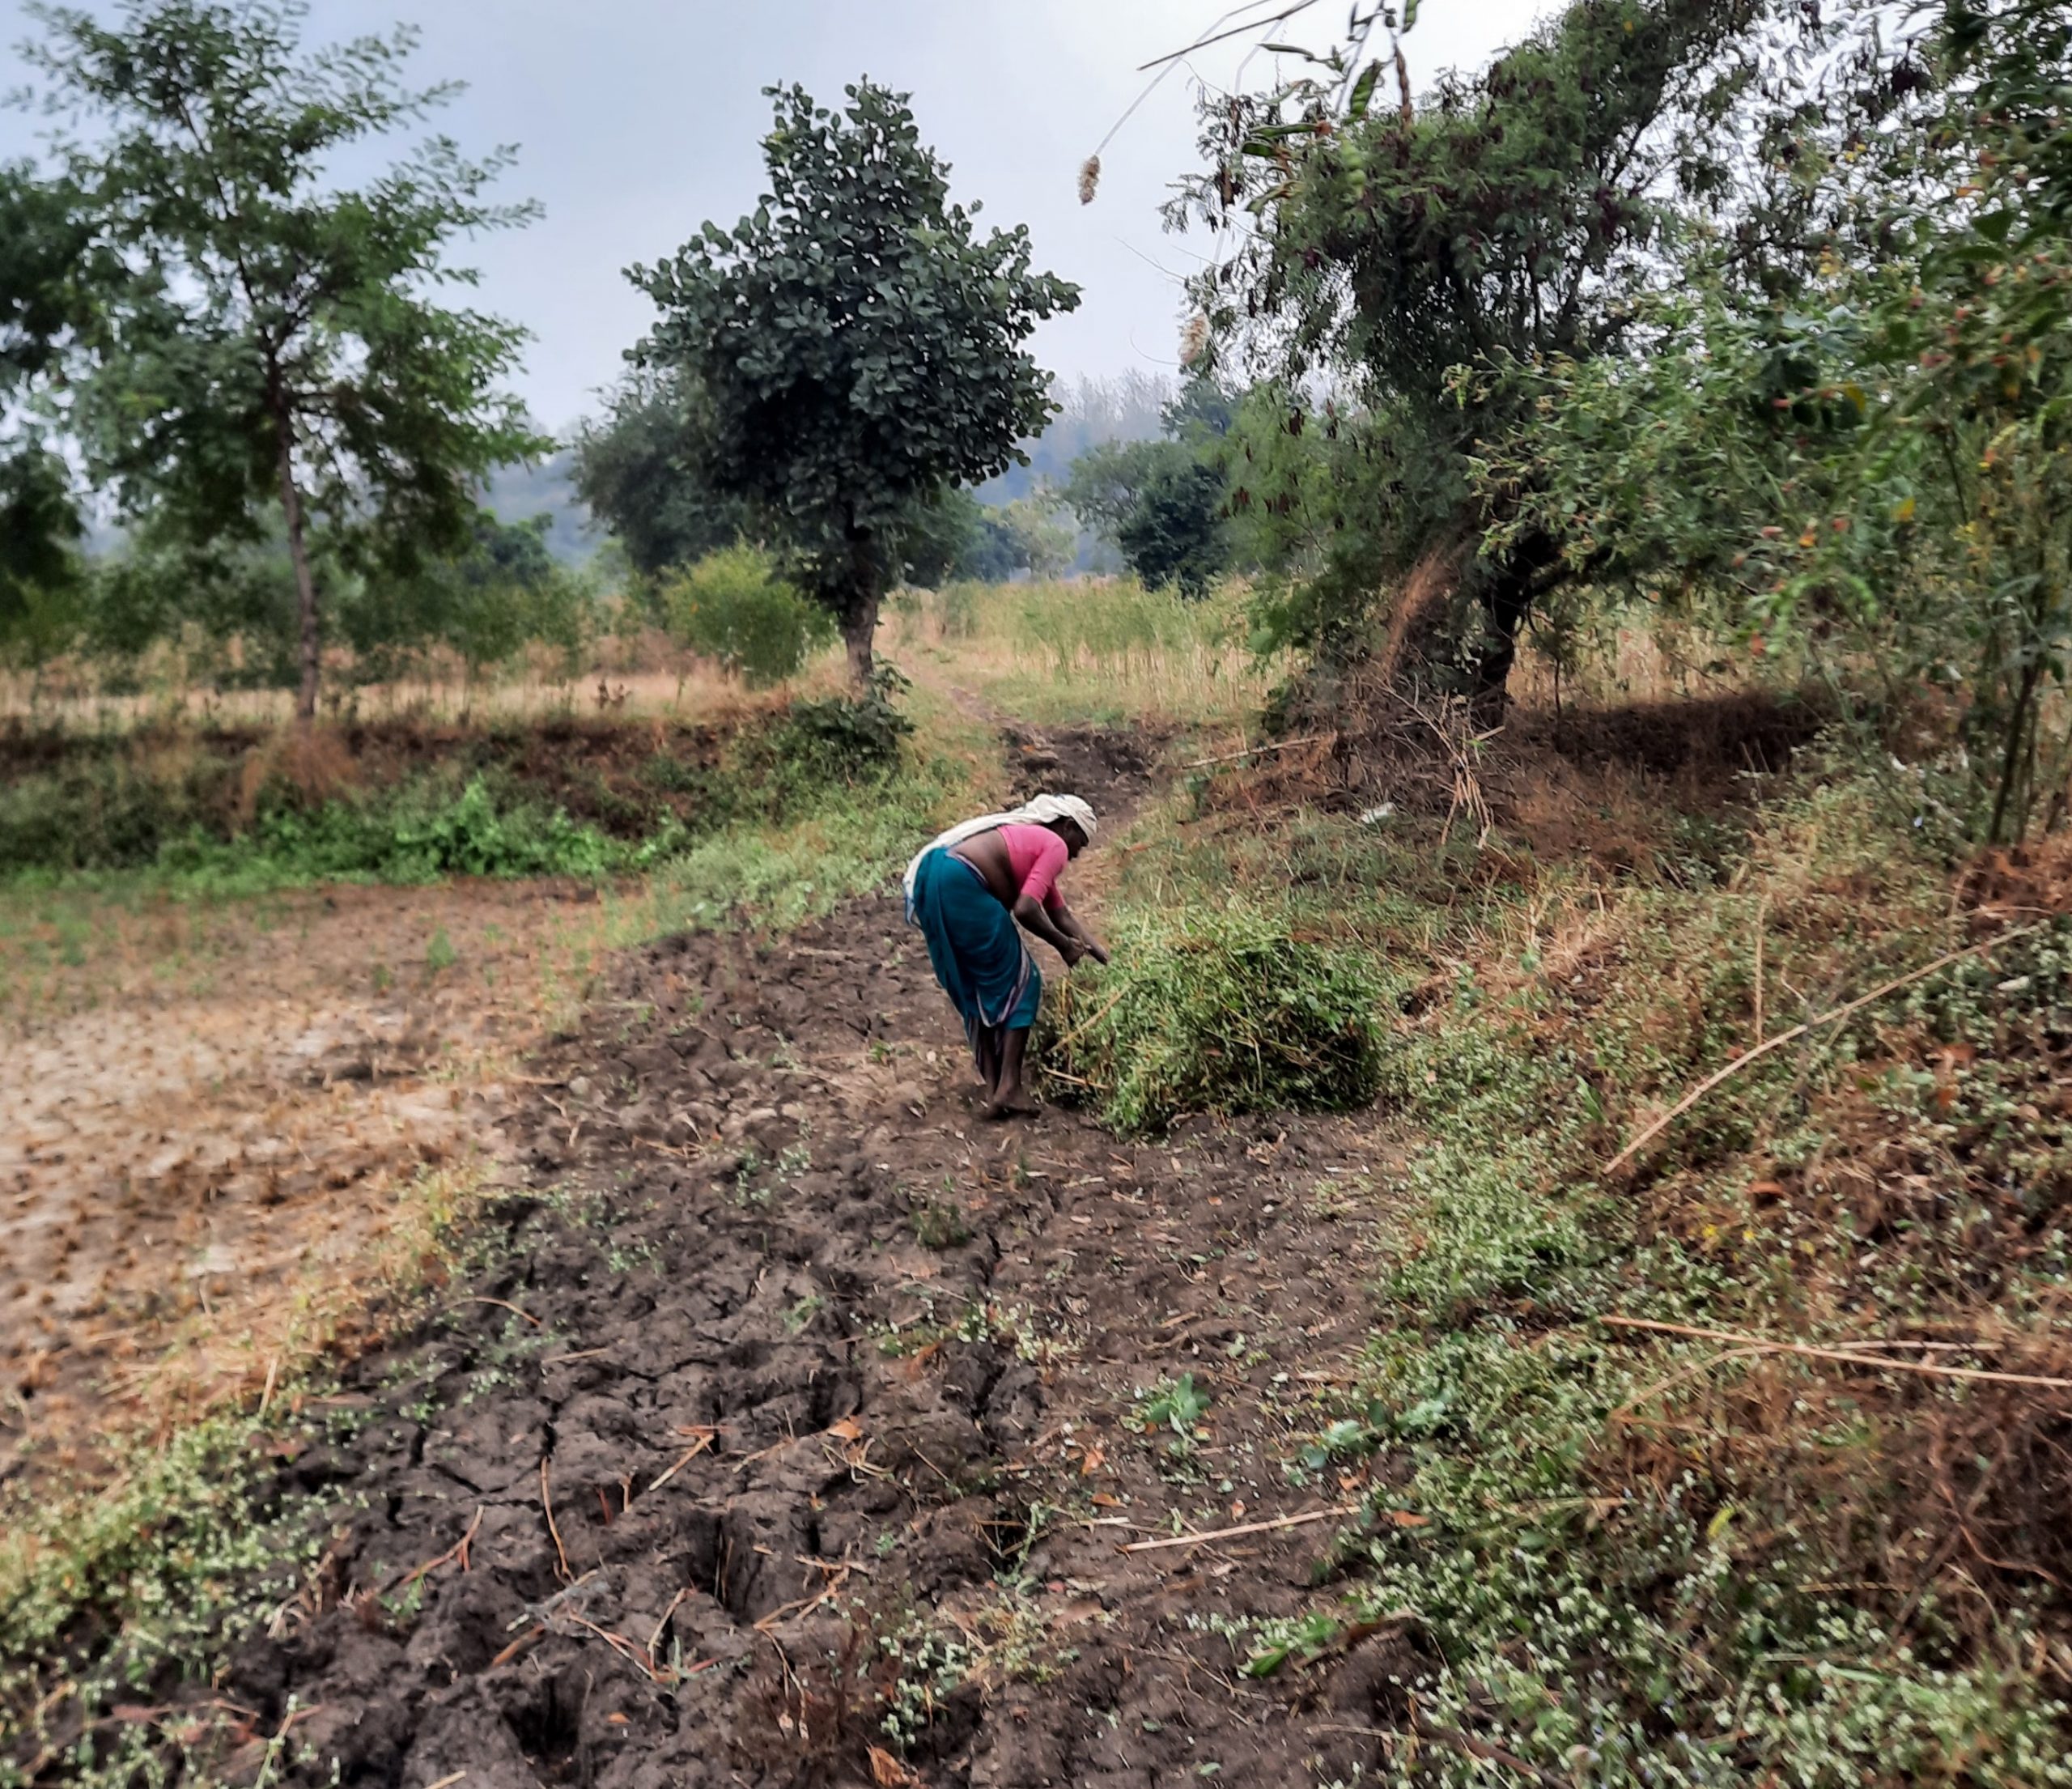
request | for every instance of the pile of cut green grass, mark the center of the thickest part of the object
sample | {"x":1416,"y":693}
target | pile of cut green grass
{"x":1224,"y":1011}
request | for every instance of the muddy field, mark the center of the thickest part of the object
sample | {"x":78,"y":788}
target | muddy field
{"x":791,"y":1398}
{"x":208,"y":1125}
{"x":800,"y":1428}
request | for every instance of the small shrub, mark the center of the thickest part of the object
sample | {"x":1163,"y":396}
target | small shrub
{"x":732,"y":606}
{"x":1225,"y":1013}
{"x":421,"y":834}
{"x":940,"y":1224}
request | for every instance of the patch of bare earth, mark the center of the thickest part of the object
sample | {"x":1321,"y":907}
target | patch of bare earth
{"x":205,"y":1154}
{"x":867,"y":1368}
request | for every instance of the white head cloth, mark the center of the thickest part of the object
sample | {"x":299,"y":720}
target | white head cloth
{"x":1040,"y":812}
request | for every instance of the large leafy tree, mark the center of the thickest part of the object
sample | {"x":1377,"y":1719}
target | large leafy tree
{"x":1872,"y":474}
{"x":258,"y":337}
{"x":1509,"y":215}
{"x":860,"y":343}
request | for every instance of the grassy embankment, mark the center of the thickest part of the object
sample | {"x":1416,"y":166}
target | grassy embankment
{"x":1802,"y":1535}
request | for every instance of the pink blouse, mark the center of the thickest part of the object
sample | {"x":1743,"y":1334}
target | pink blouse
{"x":1036,"y":855}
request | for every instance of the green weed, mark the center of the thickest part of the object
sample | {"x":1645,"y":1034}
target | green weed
{"x":1215,"y":1010}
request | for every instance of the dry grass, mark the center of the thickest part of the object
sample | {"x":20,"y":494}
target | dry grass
{"x":1094,"y":648}
{"x":642,"y":675}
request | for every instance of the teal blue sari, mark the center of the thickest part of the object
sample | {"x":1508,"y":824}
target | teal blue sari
{"x":975,"y":949}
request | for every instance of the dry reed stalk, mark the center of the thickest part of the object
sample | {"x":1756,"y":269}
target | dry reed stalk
{"x":1845,"y":1356}
{"x":1984,"y":947}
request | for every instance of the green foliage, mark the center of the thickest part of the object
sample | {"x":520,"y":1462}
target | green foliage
{"x":1179,"y":1404}
{"x":1214,"y":1011}
{"x":1162,"y":504}
{"x":41,"y":574}
{"x":416,"y":836}
{"x":110,"y":813}
{"x":1656,"y":1563}
{"x":860,"y":345}
{"x":1877,"y":459}
{"x":732,"y":606}
{"x":179,"y":1559}
{"x":637,"y":468}
{"x":505,"y":591}
{"x":259,"y":339}
{"x":960,"y":537}
{"x":1513,"y":210}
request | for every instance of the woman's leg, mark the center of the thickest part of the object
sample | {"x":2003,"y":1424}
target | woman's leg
{"x":985,"y":1047}
{"x":1008,"y":1088}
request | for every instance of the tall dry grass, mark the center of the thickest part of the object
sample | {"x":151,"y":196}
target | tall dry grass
{"x":1094,"y":648}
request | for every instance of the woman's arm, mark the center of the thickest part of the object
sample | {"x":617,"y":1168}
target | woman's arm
{"x":1068,"y":922}
{"x":1034,"y":918}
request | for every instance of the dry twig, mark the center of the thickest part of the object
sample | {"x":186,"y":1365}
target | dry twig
{"x":1848,"y":1356}
{"x":1984,"y":947}
{"x":546,"y":1503}
{"x":1243,"y":1528}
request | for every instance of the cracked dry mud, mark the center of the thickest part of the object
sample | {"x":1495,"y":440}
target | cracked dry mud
{"x":780,"y":1355}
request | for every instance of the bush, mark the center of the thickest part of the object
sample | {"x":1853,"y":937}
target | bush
{"x":110,"y":811}
{"x":732,"y":606}
{"x":421,"y":834}
{"x":835,"y":740}
{"x":1228,"y":1012}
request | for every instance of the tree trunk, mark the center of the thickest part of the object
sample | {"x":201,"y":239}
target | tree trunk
{"x":859,"y":629}
{"x":1504,"y":608}
{"x":1508,"y":592}
{"x":305,"y":585}
{"x":865,"y":589}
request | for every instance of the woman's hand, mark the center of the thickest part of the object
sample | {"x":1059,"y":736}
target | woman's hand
{"x":1097,"y":953}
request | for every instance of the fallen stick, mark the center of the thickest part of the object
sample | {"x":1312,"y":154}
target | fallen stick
{"x":1243,"y":1528}
{"x":506,"y":1305}
{"x":546,"y":1503}
{"x":1984,"y":947}
{"x":691,"y":1453}
{"x":661,"y":1627}
{"x":1258,"y":751}
{"x":458,"y":1550}
{"x":1846,"y":1356}
{"x":517,"y":1647}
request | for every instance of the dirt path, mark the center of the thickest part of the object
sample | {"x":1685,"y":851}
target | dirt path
{"x":747,"y":1453}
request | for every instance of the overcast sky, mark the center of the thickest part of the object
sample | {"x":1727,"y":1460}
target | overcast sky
{"x":637,"y":120}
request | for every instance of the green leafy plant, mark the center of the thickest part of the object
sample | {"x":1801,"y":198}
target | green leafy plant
{"x":857,"y":345}
{"x":732,"y":606}
{"x":1214,"y":1012}
{"x":1179,"y":1404}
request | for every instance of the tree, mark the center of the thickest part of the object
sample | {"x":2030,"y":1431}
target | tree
{"x":260,"y":337}
{"x":45,"y":260}
{"x":1511,"y":216}
{"x":640,"y":468}
{"x":1880,"y":466}
{"x":484,"y":603}
{"x":1163,"y":503}
{"x":860,"y":343}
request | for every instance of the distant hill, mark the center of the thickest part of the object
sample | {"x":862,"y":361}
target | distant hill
{"x":518,"y":493}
